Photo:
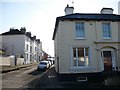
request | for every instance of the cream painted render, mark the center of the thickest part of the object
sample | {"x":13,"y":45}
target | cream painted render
{"x":13,"y":43}
{"x":65,"y":40}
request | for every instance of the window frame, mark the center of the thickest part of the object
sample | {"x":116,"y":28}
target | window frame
{"x":76,"y":36}
{"x":109,"y":30}
{"x":72,"y":60}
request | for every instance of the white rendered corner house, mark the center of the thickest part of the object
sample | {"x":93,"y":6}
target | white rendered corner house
{"x":86,"y":43}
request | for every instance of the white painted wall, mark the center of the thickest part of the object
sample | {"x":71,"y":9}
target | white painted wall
{"x":13,"y":44}
{"x":34,"y":51}
{"x":27,"y":49}
{"x":39,"y":51}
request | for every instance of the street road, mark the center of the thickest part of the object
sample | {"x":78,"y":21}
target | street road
{"x":35,"y":79}
{"x":20,"y":78}
{"x":50,"y":80}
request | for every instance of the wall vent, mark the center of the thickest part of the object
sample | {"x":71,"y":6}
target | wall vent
{"x":81,"y":78}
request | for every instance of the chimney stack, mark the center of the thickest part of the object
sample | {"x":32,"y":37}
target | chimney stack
{"x":11,"y":29}
{"x":69,"y":10}
{"x":34,"y":37}
{"x":28,"y":34}
{"x":23,"y":30}
{"x":107,"y":11}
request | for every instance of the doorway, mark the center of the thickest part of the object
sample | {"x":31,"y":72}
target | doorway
{"x":107,"y":59}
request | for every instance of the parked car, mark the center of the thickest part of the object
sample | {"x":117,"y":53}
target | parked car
{"x":51,"y":61}
{"x":43,"y":65}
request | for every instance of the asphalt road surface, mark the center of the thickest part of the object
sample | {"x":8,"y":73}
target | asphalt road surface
{"x":19,"y":78}
{"x":50,"y":80}
{"x":31,"y":78}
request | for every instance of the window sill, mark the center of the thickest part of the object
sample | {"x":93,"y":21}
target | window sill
{"x":106,"y":38}
{"x":80,"y":39}
{"x":82,"y":68}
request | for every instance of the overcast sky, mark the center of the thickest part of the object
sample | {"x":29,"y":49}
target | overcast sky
{"x":38,"y":16}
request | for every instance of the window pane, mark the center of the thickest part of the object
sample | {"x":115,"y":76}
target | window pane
{"x":74,"y":52}
{"x":74,"y":57}
{"x":81,"y":59}
{"x":87,"y":56}
{"x":75,"y":62}
{"x":79,"y":30}
{"x":106,"y":30}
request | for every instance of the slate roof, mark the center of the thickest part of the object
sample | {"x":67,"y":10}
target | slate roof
{"x":13,"y":32}
{"x":87,"y":17}
{"x":82,"y":16}
{"x":18,"y":32}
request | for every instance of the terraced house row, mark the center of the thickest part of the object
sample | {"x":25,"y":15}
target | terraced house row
{"x":21,"y":43}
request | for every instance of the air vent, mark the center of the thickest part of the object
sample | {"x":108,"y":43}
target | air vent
{"x":81,"y":78}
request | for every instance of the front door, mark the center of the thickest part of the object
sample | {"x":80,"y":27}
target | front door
{"x":107,"y":57}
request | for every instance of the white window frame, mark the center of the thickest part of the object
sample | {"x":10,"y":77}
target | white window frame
{"x":79,"y":37}
{"x":72,"y":62}
{"x":103,"y":31}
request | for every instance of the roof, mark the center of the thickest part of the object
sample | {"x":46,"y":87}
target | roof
{"x":19,"y":32}
{"x":13,"y":32}
{"x":86,"y":16}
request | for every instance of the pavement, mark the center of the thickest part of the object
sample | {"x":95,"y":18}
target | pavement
{"x":5,"y":69}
